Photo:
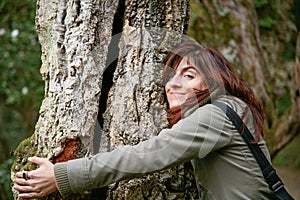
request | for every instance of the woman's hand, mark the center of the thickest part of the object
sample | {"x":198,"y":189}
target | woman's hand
{"x":36,"y":183}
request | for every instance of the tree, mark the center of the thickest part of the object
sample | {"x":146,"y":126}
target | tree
{"x":98,"y":59}
{"x":86,"y":73}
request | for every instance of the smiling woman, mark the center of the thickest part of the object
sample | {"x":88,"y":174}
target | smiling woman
{"x":200,"y":132}
{"x":215,"y":76}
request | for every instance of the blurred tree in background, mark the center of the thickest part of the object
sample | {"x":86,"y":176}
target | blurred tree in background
{"x":21,"y":85}
{"x":22,"y":88}
{"x":259,"y":37}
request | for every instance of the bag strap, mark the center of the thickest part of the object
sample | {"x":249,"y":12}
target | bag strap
{"x":268,"y":171}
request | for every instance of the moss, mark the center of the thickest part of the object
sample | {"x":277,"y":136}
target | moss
{"x":26,"y":149}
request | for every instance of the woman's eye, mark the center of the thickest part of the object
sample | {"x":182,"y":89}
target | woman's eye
{"x":188,"y":76}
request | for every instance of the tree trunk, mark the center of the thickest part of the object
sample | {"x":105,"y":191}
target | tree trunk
{"x":289,"y":127}
{"x":85,"y":72}
{"x":136,"y":105}
{"x":74,"y":36}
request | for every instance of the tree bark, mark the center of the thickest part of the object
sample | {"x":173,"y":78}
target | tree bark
{"x":74,"y":36}
{"x":105,"y":56}
{"x":136,"y":105}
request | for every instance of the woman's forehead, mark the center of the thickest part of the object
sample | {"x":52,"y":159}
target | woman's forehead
{"x":186,"y":62}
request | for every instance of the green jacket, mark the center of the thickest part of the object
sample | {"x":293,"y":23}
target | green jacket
{"x":223,"y":165}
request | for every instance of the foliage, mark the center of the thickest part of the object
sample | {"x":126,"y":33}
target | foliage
{"x":21,"y":84}
{"x":5,"y":179}
{"x":278,"y":35}
{"x":283,"y":103}
{"x":20,"y":52}
{"x":270,"y":17}
{"x":267,"y":14}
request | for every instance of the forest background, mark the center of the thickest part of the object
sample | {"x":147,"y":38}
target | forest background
{"x":22,"y":87}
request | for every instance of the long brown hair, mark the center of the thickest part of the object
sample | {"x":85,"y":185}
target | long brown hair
{"x":218,"y":74}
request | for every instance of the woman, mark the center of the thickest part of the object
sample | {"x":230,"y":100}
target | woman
{"x":224,"y":167}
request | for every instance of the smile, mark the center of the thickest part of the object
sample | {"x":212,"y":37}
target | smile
{"x":176,"y":94}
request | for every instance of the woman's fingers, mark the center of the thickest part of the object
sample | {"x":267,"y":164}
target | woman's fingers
{"x":36,"y":183}
{"x":29,"y":189}
{"x":26,"y":174}
{"x":36,"y":160}
{"x":21,"y":181}
{"x":23,"y":188}
{"x":32,"y":192}
{"x":29,"y":195}
{"x":22,"y":174}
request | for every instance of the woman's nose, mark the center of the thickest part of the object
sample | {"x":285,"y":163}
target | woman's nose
{"x":175,"y":82}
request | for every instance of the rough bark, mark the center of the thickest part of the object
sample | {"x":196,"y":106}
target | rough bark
{"x":82,"y":46}
{"x":74,"y":36}
{"x":136,"y":105}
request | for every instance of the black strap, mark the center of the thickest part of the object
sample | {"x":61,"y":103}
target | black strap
{"x":268,"y":171}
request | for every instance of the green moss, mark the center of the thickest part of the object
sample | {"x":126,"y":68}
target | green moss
{"x":26,"y":149}
{"x":260,"y":3}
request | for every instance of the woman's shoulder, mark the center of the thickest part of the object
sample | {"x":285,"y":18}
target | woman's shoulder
{"x":209,"y":110}
{"x":240,"y":107}
{"x":237,"y":104}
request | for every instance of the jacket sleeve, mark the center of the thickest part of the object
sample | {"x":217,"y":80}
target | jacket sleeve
{"x":203,"y":131}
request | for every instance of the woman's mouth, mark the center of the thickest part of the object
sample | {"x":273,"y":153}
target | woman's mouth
{"x":177,"y":93}
{"x":176,"y":98}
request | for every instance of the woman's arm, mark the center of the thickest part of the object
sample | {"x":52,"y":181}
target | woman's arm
{"x":203,"y":131}
{"x":200,"y":133}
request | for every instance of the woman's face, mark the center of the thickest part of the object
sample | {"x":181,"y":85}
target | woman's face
{"x":183,"y":83}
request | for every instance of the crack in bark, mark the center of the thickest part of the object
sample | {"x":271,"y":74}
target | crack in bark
{"x":112,"y":59}
{"x":61,"y":29}
{"x":107,"y":82}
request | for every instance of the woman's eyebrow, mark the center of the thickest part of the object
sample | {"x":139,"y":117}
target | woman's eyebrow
{"x":188,"y":67}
